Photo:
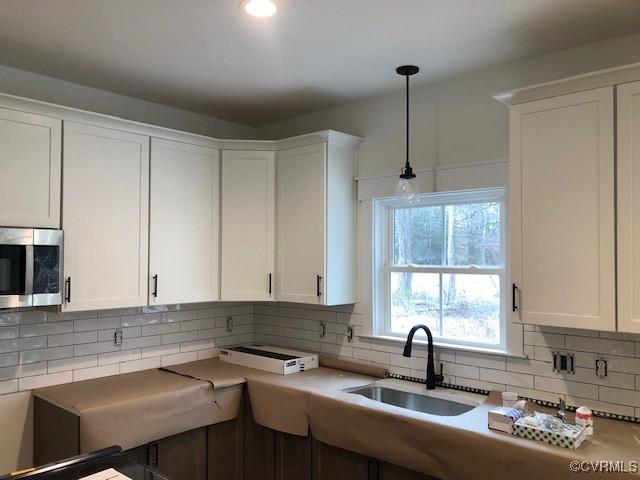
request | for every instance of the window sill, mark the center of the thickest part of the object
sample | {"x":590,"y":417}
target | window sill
{"x":449,"y":346}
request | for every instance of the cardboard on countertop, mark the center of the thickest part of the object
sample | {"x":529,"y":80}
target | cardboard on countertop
{"x":460,"y":447}
{"x":136,"y":408}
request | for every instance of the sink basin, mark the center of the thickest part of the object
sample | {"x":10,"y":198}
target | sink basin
{"x":412,"y":401}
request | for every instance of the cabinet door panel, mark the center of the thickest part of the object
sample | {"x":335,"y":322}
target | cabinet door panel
{"x":628,"y":179}
{"x":184,"y":223}
{"x":293,"y":457}
{"x":331,"y":463}
{"x":30,"y":152}
{"x":106,"y":211}
{"x":562,"y":210}
{"x":226,"y":450}
{"x":248,"y":209}
{"x":301,"y":223}
{"x":183,"y":456}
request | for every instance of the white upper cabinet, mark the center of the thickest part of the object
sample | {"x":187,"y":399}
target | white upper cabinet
{"x":316,"y":224}
{"x":30,"y":150}
{"x":183,"y":263}
{"x":562,"y":210}
{"x":628,"y":180}
{"x":248,"y":225}
{"x":105,"y":217}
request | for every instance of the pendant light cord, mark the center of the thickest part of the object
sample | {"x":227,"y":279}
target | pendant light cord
{"x":407,"y":160}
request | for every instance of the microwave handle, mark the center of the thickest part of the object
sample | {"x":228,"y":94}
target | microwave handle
{"x":28,"y":270}
{"x":67,"y":287}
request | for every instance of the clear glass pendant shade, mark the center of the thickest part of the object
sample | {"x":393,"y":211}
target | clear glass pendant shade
{"x":407,"y":190}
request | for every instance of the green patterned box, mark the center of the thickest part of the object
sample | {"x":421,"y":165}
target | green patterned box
{"x":571,"y":436}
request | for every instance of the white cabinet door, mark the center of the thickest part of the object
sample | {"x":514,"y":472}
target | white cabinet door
{"x":301,"y":224}
{"x":105,"y":217}
{"x":628,"y":179}
{"x":562,"y":210}
{"x":30,"y":150}
{"x":248,"y":209}
{"x":184,"y":223}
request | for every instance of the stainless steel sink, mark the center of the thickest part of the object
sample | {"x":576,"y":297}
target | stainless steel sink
{"x":412,"y":401}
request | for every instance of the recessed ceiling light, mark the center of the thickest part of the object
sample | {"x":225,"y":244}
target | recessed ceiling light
{"x":259,"y":8}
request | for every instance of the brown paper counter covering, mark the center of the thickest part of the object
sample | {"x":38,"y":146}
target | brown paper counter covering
{"x":450,"y":448}
{"x":277,"y":401}
{"x":136,"y":408}
{"x":460,"y":447}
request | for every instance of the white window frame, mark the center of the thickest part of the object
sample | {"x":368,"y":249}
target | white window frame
{"x":383,"y":253}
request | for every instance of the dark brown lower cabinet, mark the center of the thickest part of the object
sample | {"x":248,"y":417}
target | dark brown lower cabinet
{"x":331,"y":463}
{"x":226,"y":450}
{"x":179,"y":457}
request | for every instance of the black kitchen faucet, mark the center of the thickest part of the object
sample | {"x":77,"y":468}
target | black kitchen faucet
{"x":432,"y":378}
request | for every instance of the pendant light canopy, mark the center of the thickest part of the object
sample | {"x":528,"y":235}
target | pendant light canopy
{"x":407,"y":189}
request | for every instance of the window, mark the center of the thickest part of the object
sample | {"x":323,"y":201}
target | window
{"x":441,"y":263}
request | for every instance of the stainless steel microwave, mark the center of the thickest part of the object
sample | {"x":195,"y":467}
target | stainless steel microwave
{"x":30,"y":267}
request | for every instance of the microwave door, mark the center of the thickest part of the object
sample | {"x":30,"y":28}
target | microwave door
{"x":47,"y":267}
{"x":15,"y":268}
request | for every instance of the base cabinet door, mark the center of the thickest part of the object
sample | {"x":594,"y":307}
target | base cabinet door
{"x":183,"y":256}
{"x":562,"y":210}
{"x":30,"y":162}
{"x":183,"y":456}
{"x":331,"y":463}
{"x":105,"y":218}
{"x":293,"y":457}
{"x":226,"y":450}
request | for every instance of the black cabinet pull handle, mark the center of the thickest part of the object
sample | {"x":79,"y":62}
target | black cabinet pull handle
{"x":67,"y":284}
{"x":318,"y":280}
{"x":269,"y":284}
{"x":155,"y":286}
{"x":514,"y":292}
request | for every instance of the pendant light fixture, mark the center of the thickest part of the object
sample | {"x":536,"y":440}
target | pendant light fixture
{"x":259,"y":8}
{"x":407,"y":189}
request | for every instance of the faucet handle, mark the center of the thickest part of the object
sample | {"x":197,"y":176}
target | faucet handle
{"x":440,"y":376}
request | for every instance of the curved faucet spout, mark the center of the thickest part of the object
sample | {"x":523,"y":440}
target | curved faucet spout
{"x":432,"y":378}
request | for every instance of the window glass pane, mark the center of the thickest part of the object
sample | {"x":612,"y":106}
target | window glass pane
{"x":417,"y":236}
{"x":471,"y":307}
{"x":473,"y":234}
{"x":415,"y":298}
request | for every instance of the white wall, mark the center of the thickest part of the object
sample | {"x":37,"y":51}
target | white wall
{"x":454,"y":121}
{"x":47,"y":89}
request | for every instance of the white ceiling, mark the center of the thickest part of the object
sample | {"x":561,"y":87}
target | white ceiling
{"x":210,"y":57}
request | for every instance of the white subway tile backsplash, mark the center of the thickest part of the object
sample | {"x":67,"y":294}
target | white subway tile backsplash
{"x":44,"y":347}
{"x":72,"y":339}
{"x":9,"y":359}
{"x":41,"y":381}
{"x":90,"y":324}
{"x":601,"y":345}
{"x":37,"y":330}
{"x":619,"y":396}
{"x":508,"y":378}
{"x":178,"y":358}
{"x":566,"y":387}
{"x":72,"y":363}
{"x":33,"y":356}
{"x":95,"y":372}
{"x":551,"y":340}
{"x":8,"y":386}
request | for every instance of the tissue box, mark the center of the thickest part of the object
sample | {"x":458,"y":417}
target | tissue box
{"x":502,"y":418}
{"x":570,"y":437}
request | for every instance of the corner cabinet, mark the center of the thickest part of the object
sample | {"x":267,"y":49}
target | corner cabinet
{"x":562,"y":210}
{"x":184,"y":217}
{"x":106,"y":217}
{"x":248,"y":226}
{"x":316,"y":223}
{"x":30,"y":162}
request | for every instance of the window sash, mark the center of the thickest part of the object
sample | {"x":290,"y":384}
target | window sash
{"x":386,"y":267}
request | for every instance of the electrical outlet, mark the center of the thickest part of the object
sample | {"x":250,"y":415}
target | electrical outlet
{"x":601,"y":367}
{"x":563,"y":362}
{"x":349,"y":333}
{"x":117,"y":337}
{"x":229,"y":323}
